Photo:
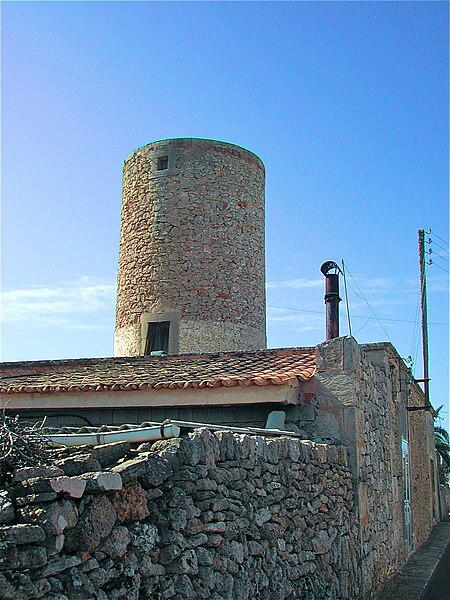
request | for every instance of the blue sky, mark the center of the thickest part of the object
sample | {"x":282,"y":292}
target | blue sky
{"x":346,"y":103}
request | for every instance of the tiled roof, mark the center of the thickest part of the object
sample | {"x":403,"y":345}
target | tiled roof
{"x":265,"y":367}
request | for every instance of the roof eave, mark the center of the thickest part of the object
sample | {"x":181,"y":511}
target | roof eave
{"x":285,"y":393}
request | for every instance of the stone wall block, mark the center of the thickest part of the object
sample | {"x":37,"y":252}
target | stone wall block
{"x":79,"y":586}
{"x":32,"y":472}
{"x":53,"y":519}
{"x":116,"y":544}
{"x":54,"y":544}
{"x":229,"y":447}
{"x":202,"y":447}
{"x":306,"y":452}
{"x":43,"y":498}
{"x":108,"y":454}
{"x":187,"y":564}
{"x":22,"y":534}
{"x":31,"y":557}
{"x":73,"y":487}
{"x":101,"y":482}
{"x":150,"y":469}
{"x":7,"y":513}
{"x":8,"y":556}
{"x":144,"y":537}
{"x":130,"y":503}
{"x":94,"y":524}
{"x":320,"y":452}
{"x":77,"y":465}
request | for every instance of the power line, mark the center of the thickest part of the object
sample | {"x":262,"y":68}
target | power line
{"x":439,"y":238}
{"x":430,"y":241}
{"x":437,"y":254}
{"x":346,"y":299}
{"x":389,"y":294}
{"x":371,"y":309}
{"x":320,"y":312}
{"x":438,"y":266}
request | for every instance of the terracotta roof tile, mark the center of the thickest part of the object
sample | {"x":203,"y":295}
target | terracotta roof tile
{"x":175,"y":371}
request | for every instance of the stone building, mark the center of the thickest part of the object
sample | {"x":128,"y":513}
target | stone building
{"x":331,"y":511}
{"x":346,"y":398}
{"x":191,"y":264}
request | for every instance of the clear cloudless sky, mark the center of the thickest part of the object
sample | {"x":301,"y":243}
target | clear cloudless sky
{"x":346,"y":103}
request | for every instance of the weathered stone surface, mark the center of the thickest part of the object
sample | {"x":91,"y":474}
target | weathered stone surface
{"x":43,"y":498}
{"x":79,"y":586}
{"x":108,"y":454}
{"x":130,"y":503}
{"x":186,"y":564}
{"x":223,"y":523}
{"x":145,"y":537}
{"x":7,"y":590}
{"x":22,"y":587}
{"x":35,"y":485}
{"x":41,"y":472}
{"x":8,"y":556}
{"x":115,"y":545}
{"x":89,"y":565}
{"x":77,"y":465}
{"x":7,"y":513}
{"x":31,"y":557}
{"x":212,"y":193}
{"x":151,"y":470}
{"x":59,"y":565}
{"x":322,"y":542}
{"x":54,"y":544}
{"x":94,"y":524}
{"x":102,"y":482}
{"x":53,"y":518}
{"x":22,"y":534}
{"x":71,"y":486}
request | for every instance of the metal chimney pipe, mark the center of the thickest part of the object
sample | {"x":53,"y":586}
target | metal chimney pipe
{"x":332,"y":298}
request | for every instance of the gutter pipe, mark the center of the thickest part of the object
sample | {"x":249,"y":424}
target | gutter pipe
{"x":134,"y":436}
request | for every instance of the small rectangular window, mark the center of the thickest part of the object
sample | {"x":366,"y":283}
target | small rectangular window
{"x":163,"y":163}
{"x":157,"y":337}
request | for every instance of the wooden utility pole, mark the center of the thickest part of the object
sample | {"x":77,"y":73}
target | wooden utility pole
{"x":423,"y":304}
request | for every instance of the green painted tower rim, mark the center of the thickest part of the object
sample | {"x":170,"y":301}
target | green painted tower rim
{"x":207,"y":142}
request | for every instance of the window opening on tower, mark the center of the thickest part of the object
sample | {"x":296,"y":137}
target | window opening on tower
{"x":157,"y":337}
{"x":163,"y":163}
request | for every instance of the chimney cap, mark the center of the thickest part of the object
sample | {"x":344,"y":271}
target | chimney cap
{"x":328,"y":266}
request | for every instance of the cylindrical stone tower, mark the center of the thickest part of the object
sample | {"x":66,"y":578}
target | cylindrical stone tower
{"x":191,"y":266}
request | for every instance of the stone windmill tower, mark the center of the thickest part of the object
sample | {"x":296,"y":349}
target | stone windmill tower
{"x":191,"y":266}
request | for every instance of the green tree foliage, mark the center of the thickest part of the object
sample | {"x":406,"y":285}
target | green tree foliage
{"x":442,"y":442}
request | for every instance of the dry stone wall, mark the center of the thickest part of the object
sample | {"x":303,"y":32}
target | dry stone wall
{"x":385,"y":391}
{"x":380,"y":489}
{"x":192,"y":240}
{"x":205,"y":516}
{"x":360,"y":400}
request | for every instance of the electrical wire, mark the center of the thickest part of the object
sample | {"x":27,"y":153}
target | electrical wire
{"x":390,"y":293}
{"x":437,"y":254}
{"x":349,"y":323}
{"x":438,"y":245}
{"x":439,"y":267}
{"x":320,"y":312}
{"x":439,"y":238}
{"x":371,"y":309}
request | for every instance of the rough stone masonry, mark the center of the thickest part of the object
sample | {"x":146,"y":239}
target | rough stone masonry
{"x":207,"y":515}
{"x":192,"y":247}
